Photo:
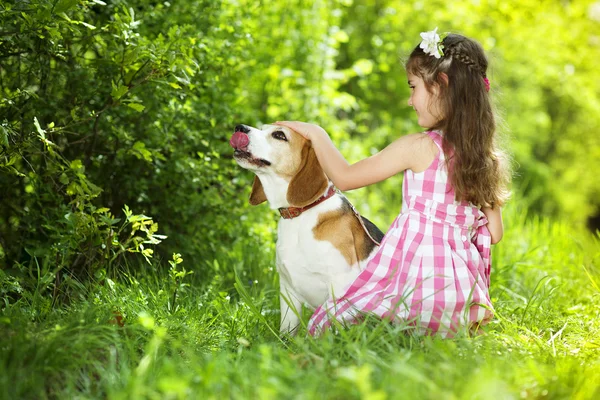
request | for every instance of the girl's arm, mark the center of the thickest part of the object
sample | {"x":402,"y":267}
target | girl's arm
{"x":414,"y":151}
{"x":494,"y":217}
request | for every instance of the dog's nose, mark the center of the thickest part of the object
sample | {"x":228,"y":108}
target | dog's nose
{"x":242,"y":128}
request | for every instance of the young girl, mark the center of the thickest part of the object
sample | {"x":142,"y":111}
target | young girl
{"x":433,"y":266}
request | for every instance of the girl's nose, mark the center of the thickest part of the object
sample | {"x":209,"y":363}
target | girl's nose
{"x":410,"y":101}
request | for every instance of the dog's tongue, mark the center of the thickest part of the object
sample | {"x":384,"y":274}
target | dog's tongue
{"x":239,"y":140}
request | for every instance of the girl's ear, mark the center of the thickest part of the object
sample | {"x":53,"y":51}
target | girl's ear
{"x":257,"y":195}
{"x":443,"y":79}
{"x":309,"y":182}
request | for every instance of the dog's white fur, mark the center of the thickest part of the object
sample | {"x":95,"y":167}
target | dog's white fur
{"x":310,"y":270}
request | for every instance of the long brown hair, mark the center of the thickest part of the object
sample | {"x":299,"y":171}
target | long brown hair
{"x":478,"y":169}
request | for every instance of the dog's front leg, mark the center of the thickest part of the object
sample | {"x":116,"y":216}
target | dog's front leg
{"x":290,"y":304}
{"x":290,"y":307}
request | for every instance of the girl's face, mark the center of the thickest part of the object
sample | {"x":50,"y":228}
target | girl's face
{"x":425,"y":104}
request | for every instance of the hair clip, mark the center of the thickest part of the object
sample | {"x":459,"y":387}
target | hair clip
{"x":486,"y":82}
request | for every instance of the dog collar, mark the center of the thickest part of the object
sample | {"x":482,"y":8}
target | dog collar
{"x":293,"y":212}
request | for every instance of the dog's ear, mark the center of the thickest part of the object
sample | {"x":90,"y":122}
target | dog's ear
{"x":258,"y":193}
{"x":309,"y":182}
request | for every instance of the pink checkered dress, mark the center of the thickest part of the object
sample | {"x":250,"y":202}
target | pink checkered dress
{"x":432,"y":268}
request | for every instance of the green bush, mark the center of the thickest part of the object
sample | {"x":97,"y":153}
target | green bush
{"x":131,"y":103}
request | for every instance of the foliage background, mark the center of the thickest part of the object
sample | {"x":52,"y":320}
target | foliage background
{"x":135,"y":102}
{"x":115,"y":118}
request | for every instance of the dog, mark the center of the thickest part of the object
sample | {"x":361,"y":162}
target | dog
{"x":322,"y":242}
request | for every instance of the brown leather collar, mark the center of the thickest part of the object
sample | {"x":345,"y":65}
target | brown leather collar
{"x":293,"y":212}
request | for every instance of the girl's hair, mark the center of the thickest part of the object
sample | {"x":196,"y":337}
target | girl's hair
{"x":479,"y":170}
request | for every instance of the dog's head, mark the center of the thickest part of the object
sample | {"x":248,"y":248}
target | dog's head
{"x":277,"y":151}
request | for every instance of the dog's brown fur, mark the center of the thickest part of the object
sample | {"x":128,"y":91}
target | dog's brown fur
{"x":353,"y":247}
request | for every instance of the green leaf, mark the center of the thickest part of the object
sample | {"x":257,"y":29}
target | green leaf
{"x":141,"y":152}
{"x":74,"y":189}
{"x":136,"y":106}
{"x":77,"y":165}
{"x":118,"y":91}
{"x":64,"y":5}
{"x":41,"y":132}
{"x":3,"y":136}
{"x":27,"y":18}
{"x":127,"y":211}
{"x":87,"y":25}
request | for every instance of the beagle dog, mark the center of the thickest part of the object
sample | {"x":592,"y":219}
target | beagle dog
{"x":322,"y":242}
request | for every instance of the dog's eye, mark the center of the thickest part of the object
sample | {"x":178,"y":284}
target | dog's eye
{"x":279,"y":135}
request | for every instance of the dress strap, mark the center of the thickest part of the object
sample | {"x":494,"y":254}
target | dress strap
{"x":436,"y":136}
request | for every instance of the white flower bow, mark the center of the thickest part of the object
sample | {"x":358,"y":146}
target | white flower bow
{"x":432,"y":43}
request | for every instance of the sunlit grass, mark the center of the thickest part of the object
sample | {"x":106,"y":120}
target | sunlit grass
{"x":223,"y":342}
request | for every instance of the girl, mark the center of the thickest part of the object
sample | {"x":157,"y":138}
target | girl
{"x":433,"y":266}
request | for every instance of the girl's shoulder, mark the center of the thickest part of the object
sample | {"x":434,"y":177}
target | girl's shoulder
{"x":429,"y":141}
{"x":433,"y":136}
{"x":436,"y":136}
{"x":425,"y":146}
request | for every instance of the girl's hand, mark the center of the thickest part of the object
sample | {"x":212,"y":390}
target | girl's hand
{"x":308,"y":131}
{"x":495,"y":226}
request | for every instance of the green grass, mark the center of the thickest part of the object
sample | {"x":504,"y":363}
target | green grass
{"x":216,"y":341}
